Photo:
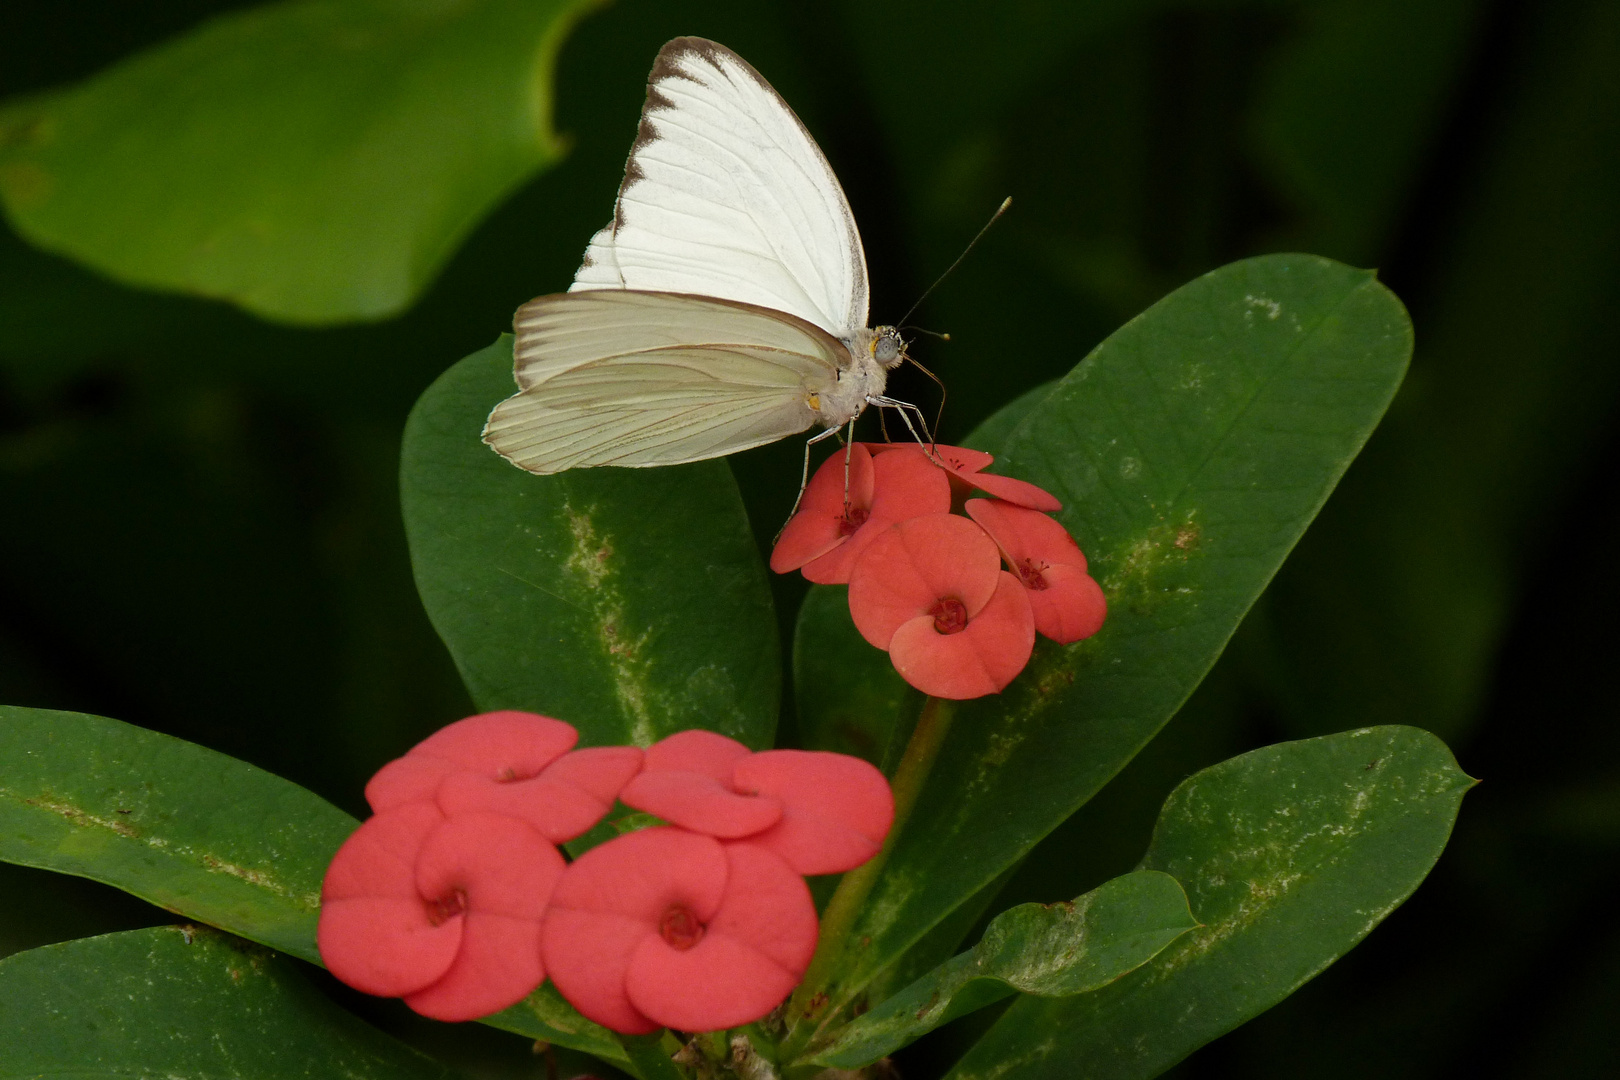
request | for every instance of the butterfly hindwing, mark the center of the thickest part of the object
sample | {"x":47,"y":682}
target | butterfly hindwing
{"x":616,"y":377}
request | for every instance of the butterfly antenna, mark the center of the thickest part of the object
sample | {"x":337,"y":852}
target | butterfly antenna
{"x":1002,"y":209}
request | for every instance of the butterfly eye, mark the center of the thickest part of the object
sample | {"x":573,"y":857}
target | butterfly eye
{"x":886,"y":349}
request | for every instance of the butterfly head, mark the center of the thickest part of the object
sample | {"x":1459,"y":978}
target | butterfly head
{"x":888,"y":347}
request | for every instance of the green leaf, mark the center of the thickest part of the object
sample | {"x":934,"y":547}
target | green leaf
{"x":847,"y":695}
{"x":182,"y":1004}
{"x":631,"y":603}
{"x":545,"y":1015}
{"x":1290,"y":854}
{"x":1050,"y":950}
{"x":1190,"y":451}
{"x":313,"y":161}
{"x":188,"y":829}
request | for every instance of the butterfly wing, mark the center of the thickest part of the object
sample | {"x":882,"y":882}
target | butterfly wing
{"x":614,"y":377}
{"x":726,"y":194}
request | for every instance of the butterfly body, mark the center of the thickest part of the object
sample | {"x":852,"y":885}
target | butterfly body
{"x":722,"y":308}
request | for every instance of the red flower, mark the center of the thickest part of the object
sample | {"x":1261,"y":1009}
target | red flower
{"x":1067,"y":602}
{"x":511,"y":763}
{"x":829,"y":532}
{"x":931,"y":591}
{"x":822,"y":813}
{"x":445,"y":913}
{"x":667,"y":928}
{"x":965,"y":467}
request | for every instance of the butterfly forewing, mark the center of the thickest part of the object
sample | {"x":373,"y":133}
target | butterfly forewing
{"x":727,"y":195}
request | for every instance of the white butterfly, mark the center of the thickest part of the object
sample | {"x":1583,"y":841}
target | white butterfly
{"x":725,"y":305}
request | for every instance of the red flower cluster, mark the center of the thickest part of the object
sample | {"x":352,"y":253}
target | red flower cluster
{"x":455,"y":897}
{"x":926,"y":585}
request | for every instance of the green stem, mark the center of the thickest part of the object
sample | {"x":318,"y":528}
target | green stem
{"x":850,"y":898}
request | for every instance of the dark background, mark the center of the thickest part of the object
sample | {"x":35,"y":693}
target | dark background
{"x":199,"y":529}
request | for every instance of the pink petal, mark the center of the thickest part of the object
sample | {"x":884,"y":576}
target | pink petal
{"x":566,"y":800}
{"x":981,"y":659}
{"x":1071,"y":607}
{"x":379,"y":858}
{"x":1026,"y":534}
{"x":836,"y":809}
{"x":498,"y":965}
{"x":640,"y":874}
{"x":905,"y":485}
{"x":958,"y":459}
{"x":698,"y":751}
{"x":752,"y":954}
{"x":701,"y":803}
{"x":412,"y":778}
{"x":386,"y":945}
{"x":501,"y":745}
{"x":587,"y":954}
{"x":911,"y":566}
{"x":502,"y":865}
{"x":818,"y":525}
{"x":611,"y":899}
{"x":1018,"y":492}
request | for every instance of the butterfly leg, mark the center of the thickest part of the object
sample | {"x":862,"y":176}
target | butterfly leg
{"x":804,"y":477}
{"x":906,"y":409}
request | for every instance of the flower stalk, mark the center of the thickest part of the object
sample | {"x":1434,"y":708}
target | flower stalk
{"x":810,"y":1000}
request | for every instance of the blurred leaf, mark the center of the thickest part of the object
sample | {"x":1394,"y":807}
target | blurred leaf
{"x":191,"y":830}
{"x":1349,"y":108}
{"x":1396,"y":604}
{"x":182,"y":1004}
{"x":631,"y":603}
{"x":1291,"y":854}
{"x":1190,"y":450}
{"x":1050,"y":950}
{"x":314,"y":161}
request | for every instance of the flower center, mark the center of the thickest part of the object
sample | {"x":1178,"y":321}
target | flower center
{"x":1030,"y":575}
{"x":446,"y":907}
{"x":680,"y":928}
{"x":854,"y":517}
{"x":950,"y":615}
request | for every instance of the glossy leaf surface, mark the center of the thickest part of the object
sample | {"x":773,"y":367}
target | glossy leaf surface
{"x":631,"y":603}
{"x":1190,"y":451}
{"x":1050,"y":950}
{"x":189,"y":829}
{"x":1290,"y":855}
{"x":314,"y":161}
{"x":183,"y":1004}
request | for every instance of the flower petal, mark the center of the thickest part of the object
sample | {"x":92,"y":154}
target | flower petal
{"x":1071,"y":607}
{"x":836,"y":809}
{"x":909,"y":567}
{"x":501,"y":745}
{"x":501,"y":864}
{"x":379,"y":858}
{"x":1023,"y":534}
{"x":818,"y":525}
{"x":905,"y":485}
{"x":752,"y":954}
{"x":498,"y":965}
{"x":696,"y":750}
{"x":571,"y":795}
{"x":611,"y":899}
{"x":386,"y":945}
{"x":1015,"y":491}
{"x":981,"y":659}
{"x":412,"y":778}
{"x":587,"y":954}
{"x":701,"y":803}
